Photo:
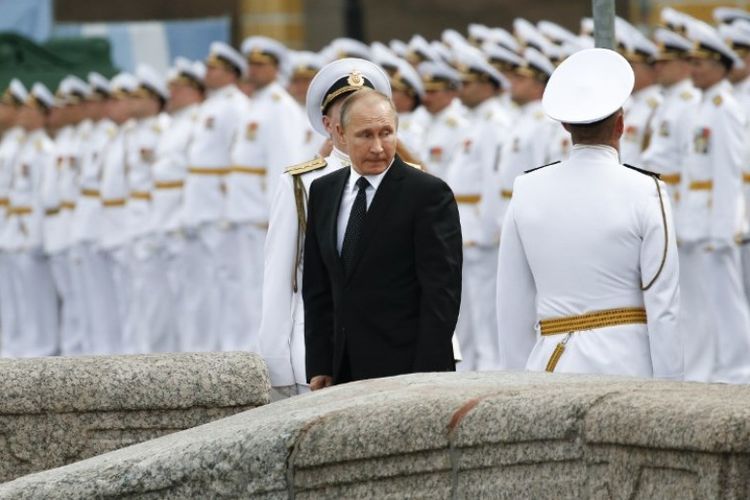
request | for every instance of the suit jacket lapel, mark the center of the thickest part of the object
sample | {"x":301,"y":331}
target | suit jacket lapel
{"x":381,"y":203}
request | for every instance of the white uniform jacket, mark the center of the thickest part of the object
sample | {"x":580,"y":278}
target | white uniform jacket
{"x":270,"y":137}
{"x":282,"y":341}
{"x":671,"y":135}
{"x":208,"y":155}
{"x":712,"y":208}
{"x":639,"y":114}
{"x":525,"y":147}
{"x":442,"y":140}
{"x":579,"y":237}
{"x":472,"y":172}
{"x":170,"y":170}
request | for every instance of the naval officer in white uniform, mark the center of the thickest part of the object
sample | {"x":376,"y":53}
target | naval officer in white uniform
{"x":588,"y":269}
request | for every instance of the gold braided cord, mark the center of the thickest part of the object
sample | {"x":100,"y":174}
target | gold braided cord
{"x":594,"y":320}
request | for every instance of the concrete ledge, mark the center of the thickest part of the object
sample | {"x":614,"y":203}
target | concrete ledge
{"x":498,"y":435}
{"x":55,"y":411}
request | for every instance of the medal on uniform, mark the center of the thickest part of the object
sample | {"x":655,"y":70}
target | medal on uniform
{"x":436,"y":153}
{"x":251,"y":131}
{"x":701,"y":140}
{"x":664,"y":129}
{"x":210,"y":122}
{"x":467,"y":145}
{"x":631,"y":133}
{"x":147,"y":155}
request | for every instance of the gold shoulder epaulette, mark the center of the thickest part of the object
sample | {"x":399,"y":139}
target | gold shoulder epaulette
{"x":415,"y":165}
{"x":718,"y":100}
{"x":308,"y":166}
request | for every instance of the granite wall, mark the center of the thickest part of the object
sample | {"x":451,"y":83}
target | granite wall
{"x":492,"y":435}
{"x":54,"y":411}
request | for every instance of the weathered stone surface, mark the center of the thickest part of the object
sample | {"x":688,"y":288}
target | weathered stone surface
{"x":491,"y":435}
{"x":55,"y":411}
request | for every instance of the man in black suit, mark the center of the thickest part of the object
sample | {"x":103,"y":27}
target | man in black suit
{"x":382,"y":273}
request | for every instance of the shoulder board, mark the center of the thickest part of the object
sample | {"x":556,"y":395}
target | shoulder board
{"x":537,"y":168}
{"x":643,"y":171}
{"x":717,"y":100}
{"x":415,"y":165}
{"x":308,"y":166}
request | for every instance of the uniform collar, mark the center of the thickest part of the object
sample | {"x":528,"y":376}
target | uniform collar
{"x":588,"y":152}
{"x":678,"y":88}
{"x":717,"y":89}
{"x":225,"y":90}
{"x":341,"y":157}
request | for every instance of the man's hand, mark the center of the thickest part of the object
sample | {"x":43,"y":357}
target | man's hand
{"x":320,"y":382}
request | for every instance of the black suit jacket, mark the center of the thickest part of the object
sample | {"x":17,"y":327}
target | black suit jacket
{"x":396,"y":310}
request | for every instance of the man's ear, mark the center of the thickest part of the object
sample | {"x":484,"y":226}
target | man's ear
{"x":619,"y":125}
{"x":340,"y":134}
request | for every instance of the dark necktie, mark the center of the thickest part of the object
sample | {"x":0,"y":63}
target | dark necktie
{"x":353,"y":234}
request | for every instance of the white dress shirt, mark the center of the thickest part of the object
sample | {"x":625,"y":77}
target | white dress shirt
{"x":350,"y":194}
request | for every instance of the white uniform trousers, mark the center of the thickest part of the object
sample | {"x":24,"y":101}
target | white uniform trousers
{"x":75,"y":342}
{"x":241,"y":285}
{"x":103,"y":330}
{"x":8,"y":299}
{"x":745,"y":263}
{"x":477,"y":320}
{"x":36,"y":332}
{"x":117,"y":260}
{"x":720,"y":350}
{"x":199,"y":307}
{"x":149,"y":326}
{"x":71,"y":322}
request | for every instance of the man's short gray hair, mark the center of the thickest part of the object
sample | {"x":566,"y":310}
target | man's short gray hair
{"x":359,"y":95}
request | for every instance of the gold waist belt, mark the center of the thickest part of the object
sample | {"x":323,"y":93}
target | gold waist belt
{"x":701,"y":185}
{"x":248,"y":170}
{"x":114,"y":202}
{"x":19,"y":211}
{"x":51,"y":211}
{"x":140,"y":195}
{"x":591,"y":321}
{"x":507,"y":194}
{"x":746,"y":177}
{"x":169,"y":184}
{"x":471,"y":199}
{"x":671,"y":179}
{"x":68,"y":205}
{"x":4,"y":202}
{"x":208,"y":171}
{"x":90,"y":193}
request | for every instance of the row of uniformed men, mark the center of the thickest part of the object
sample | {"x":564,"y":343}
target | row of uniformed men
{"x":209,"y":257}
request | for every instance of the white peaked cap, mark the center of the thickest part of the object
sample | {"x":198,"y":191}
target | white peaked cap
{"x":97,"y":82}
{"x":338,"y":77}
{"x":399,"y":47}
{"x":419,"y":45}
{"x":230,"y":55}
{"x":502,"y":37}
{"x":383,"y":56}
{"x":729,"y":14}
{"x":151,"y":80}
{"x":588,"y":86}
{"x":555,"y":32}
{"x":42,"y":94}
{"x":17,"y":91}
{"x":470,"y":59}
{"x":707,"y":37}
{"x":261,"y":46}
{"x":407,"y":73}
